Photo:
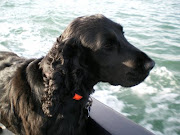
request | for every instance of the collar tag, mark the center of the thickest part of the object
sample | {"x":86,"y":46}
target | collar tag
{"x":77,"y":97}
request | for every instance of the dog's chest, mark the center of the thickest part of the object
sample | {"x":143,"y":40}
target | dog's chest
{"x":66,"y":124}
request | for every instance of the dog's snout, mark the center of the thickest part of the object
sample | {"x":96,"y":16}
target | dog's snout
{"x":144,"y":62}
{"x":149,"y":65}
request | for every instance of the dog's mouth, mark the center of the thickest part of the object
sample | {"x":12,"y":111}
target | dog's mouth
{"x":131,"y":79}
{"x":136,"y":78}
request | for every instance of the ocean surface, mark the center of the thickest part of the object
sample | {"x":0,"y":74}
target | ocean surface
{"x":30,"y":27}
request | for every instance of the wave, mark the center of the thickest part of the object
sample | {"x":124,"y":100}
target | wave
{"x":2,"y":48}
{"x":153,"y":103}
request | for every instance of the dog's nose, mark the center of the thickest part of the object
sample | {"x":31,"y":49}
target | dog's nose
{"x":149,"y":65}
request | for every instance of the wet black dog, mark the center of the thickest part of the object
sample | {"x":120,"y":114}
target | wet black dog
{"x":49,"y":95}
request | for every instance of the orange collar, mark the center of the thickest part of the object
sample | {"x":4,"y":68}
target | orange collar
{"x":77,"y":97}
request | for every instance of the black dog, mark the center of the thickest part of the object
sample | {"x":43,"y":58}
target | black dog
{"x":48,"y":96}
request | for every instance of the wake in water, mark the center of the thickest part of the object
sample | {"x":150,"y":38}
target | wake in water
{"x":2,"y":48}
{"x":151,"y":104}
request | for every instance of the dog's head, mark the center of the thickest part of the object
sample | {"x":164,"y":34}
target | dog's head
{"x":90,"y":50}
{"x":108,"y":55}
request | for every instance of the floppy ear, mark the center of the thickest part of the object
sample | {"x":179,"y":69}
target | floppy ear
{"x":63,"y":70}
{"x":80,"y":64}
{"x":75,"y":67}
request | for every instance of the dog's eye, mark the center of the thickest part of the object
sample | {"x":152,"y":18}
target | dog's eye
{"x":108,"y":46}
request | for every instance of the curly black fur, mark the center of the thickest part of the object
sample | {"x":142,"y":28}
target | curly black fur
{"x":36,"y":95}
{"x":62,"y":75}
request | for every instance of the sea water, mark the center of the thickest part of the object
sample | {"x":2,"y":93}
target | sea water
{"x":30,"y":27}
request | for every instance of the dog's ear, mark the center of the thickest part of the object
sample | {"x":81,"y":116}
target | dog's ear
{"x":74,"y":56}
{"x":64,"y":69}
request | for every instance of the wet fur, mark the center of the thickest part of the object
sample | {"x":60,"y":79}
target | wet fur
{"x":36,"y":95}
